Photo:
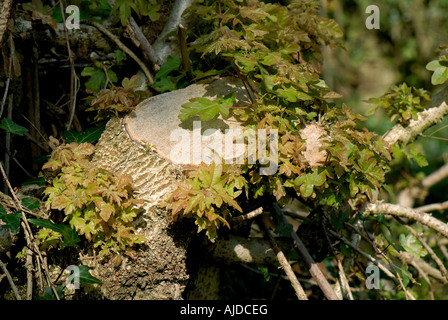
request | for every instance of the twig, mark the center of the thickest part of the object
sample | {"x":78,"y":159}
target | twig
{"x":124,"y":48}
{"x":301,"y":295}
{"x":433,"y":207}
{"x":400,"y":211}
{"x":407,"y":196}
{"x":13,"y":286}
{"x":29,"y":274}
{"x":247,"y":216}
{"x":74,"y":80}
{"x":186,"y":64}
{"x":313,"y":268}
{"x":146,"y":47}
{"x":8,"y":80}
{"x":366,"y":255}
{"x":430,"y":251}
{"x":8,"y":141}
{"x":343,"y":282}
{"x":28,"y":234}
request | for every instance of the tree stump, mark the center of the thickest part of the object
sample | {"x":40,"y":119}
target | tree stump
{"x":139,"y":145}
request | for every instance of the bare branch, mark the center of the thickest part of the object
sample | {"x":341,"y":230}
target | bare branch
{"x":434,"y":207}
{"x":426,"y":119}
{"x":301,"y":295}
{"x":399,"y":211}
{"x":124,"y":48}
{"x":406,"y":197}
{"x":11,"y":282}
{"x":167,"y":47}
{"x":431,"y":252}
{"x":248,"y":216}
{"x":138,"y":37}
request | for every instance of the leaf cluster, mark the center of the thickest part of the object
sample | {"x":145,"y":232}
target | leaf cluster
{"x":111,"y":102}
{"x":208,"y":195}
{"x":125,"y":8}
{"x":276,"y":52}
{"x":170,"y":77}
{"x":402,"y":103}
{"x":96,"y":203}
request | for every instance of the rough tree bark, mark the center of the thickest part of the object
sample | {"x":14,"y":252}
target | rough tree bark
{"x":157,"y":269}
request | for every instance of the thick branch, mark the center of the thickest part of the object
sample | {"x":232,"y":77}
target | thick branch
{"x":407,"y":196}
{"x":426,"y":119}
{"x":166,"y":47}
{"x":146,"y":47}
{"x":124,"y":48}
{"x":399,"y":211}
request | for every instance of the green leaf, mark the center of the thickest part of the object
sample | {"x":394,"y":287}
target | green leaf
{"x":69,"y":235}
{"x":267,"y":79}
{"x":173,"y":63}
{"x":49,"y":294}
{"x":330,"y":27}
{"x":124,"y":10}
{"x":30,"y":204}
{"x":207,"y":109}
{"x":164,"y":84}
{"x":416,"y":153}
{"x":12,"y":127}
{"x":412,"y":245}
{"x":440,"y":69}
{"x":86,"y":277}
{"x":97,"y":80}
{"x":338,"y":219}
{"x":91,"y":135}
{"x":12,"y":220}
{"x":405,"y":274}
{"x":119,"y":55}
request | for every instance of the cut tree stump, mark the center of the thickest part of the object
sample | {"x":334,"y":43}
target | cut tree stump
{"x":139,"y":145}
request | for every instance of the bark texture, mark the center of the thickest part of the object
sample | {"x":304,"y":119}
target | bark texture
{"x":157,"y":270}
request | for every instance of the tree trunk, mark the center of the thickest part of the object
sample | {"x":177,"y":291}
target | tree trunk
{"x":157,"y":269}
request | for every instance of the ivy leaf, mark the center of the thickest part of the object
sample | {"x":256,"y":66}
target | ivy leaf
{"x":173,"y":63}
{"x":412,"y":245}
{"x":69,"y":235}
{"x":98,"y":78}
{"x":164,"y":84}
{"x":12,"y":127}
{"x":106,"y":211}
{"x":49,"y":294}
{"x":12,"y":220}
{"x":91,"y":135}
{"x":30,"y":204}
{"x":86,"y":277}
